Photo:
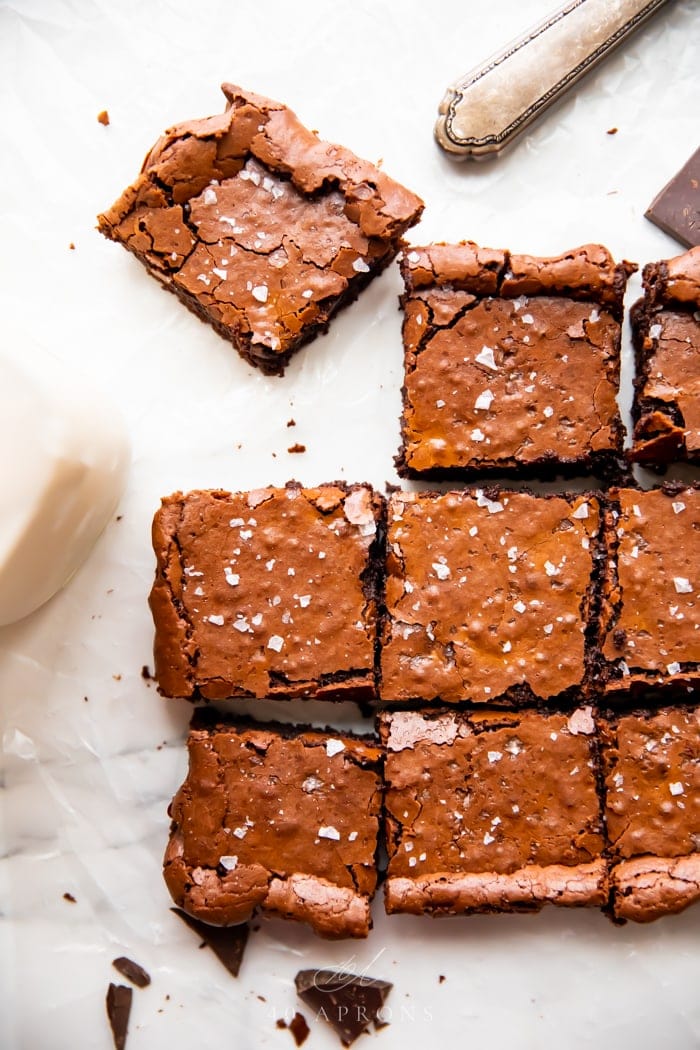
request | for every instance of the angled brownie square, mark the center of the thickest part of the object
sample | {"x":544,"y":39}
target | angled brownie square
{"x":267,"y":593}
{"x":488,"y":595}
{"x":258,"y":226}
{"x":651,"y":761}
{"x":666,"y":333}
{"x":491,"y":811}
{"x":650,"y":618}
{"x":262,"y":822}
{"x":512,"y":363}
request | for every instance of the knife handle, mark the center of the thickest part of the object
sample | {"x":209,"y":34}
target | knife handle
{"x":486,"y":109}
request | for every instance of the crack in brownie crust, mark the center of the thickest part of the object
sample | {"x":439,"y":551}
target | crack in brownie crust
{"x":666,"y":332}
{"x":259,"y":227}
{"x":652,"y":780}
{"x":491,"y":811}
{"x":512,"y":363}
{"x":267,"y":593}
{"x":488,"y":596}
{"x":262,"y":821}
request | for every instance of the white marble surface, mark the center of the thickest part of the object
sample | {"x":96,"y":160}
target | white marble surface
{"x":90,"y":753}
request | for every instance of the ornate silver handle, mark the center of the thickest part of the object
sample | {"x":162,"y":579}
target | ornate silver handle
{"x":486,"y":109}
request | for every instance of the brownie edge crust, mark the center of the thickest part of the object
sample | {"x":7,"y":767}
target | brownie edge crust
{"x":259,"y":227}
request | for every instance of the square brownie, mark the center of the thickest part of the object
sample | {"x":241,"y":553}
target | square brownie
{"x":262,"y":821}
{"x":258,"y":226}
{"x":488,"y":596}
{"x":651,"y":761}
{"x":491,"y":811}
{"x":649,"y":633}
{"x":666,"y":333}
{"x":267,"y":593}
{"x":512,"y":363}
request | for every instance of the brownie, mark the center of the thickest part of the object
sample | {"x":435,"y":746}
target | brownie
{"x":280,"y":819}
{"x":267,"y":593}
{"x":652,"y":810}
{"x":649,"y":633}
{"x":487,"y":595}
{"x":512,"y":362}
{"x":258,"y":226}
{"x":491,"y":811}
{"x":666,"y":333}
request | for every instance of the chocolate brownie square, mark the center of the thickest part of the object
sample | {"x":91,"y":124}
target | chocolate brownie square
{"x":488,"y":595}
{"x":652,"y":810}
{"x":267,"y":593}
{"x":666,"y":332}
{"x":283,"y":819}
{"x":512,"y":362}
{"x":491,"y":811}
{"x":650,"y":618}
{"x":258,"y":226}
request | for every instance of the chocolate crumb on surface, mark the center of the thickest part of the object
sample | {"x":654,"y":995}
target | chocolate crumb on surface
{"x":666,"y":334}
{"x":511,"y":363}
{"x":611,"y":131}
{"x":228,"y":943}
{"x":348,"y":1002}
{"x":69,"y":897}
{"x":259,"y":227}
{"x":262,"y":821}
{"x":297,"y":1026}
{"x":297,"y":448}
{"x":118,"y":1003}
{"x":132,"y":971}
{"x":291,"y":423}
{"x":146,"y":673}
{"x":103,"y":117}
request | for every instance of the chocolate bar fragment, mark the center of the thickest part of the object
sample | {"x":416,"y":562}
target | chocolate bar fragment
{"x":676,"y":210}
{"x":350,"y":1003}
{"x":666,"y":333}
{"x":228,"y":943}
{"x":259,"y":227}
{"x":491,"y":811}
{"x":118,"y":1004}
{"x":652,"y":810}
{"x":512,"y":363}
{"x":649,"y":633}
{"x":488,"y":595}
{"x":267,"y":593}
{"x":278,"y":819}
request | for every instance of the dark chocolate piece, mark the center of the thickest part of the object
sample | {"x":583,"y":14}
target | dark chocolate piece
{"x":488,"y":595}
{"x":676,"y":210}
{"x":258,"y":226}
{"x":666,"y":333}
{"x":652,"y":782}
{"x":69,"y":897}
{"x":349,"y":1003}
{"x":227,"y":942}
{"x":512,"y":363}
{"x":491,"y":811}
{"x":267,"y":593}
{"x":297,"y":1026}
{"x":649,"y":632}
{"x":263,"y":822}
{"x":132,"y":971}
{"x":118,"y":1003}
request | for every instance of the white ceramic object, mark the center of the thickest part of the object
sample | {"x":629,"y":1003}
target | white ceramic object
{"x":63,"y":468}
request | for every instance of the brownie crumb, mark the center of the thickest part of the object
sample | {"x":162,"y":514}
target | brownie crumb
{"x":299,"y":1028}
{"x":118,"y":1004}
{"x":103,"y":117}
{"x":71,"y":246}
{"x":441,"y":979}
{"x":296,"y":448}
{"x":69,"y":896}
{"x":291,"y":422}
{"x":611,"y":131}
{"x":146,"y":673}
{"x":132,"y":971}
{"x":117,"y":677}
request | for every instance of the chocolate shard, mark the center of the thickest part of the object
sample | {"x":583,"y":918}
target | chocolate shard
{"x":676,"y":209}
{"x":118,"y":1009}
{"x":297,"y":1026}
{"x":348,"y":1002}
{"x":132,"y":971}
{"x":227,"y":942}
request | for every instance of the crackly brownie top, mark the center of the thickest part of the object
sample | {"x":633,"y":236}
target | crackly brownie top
{"x":652,"y":779}
{"x":486,"y":591}
{"x":654,"y":615}
{"x":271,"y":583}
{"x":489,"y":791}
{"x":256,"y":798}
{"x":256,"y":217}
{"x":671,"y":340}
{"x":510,"y":357}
